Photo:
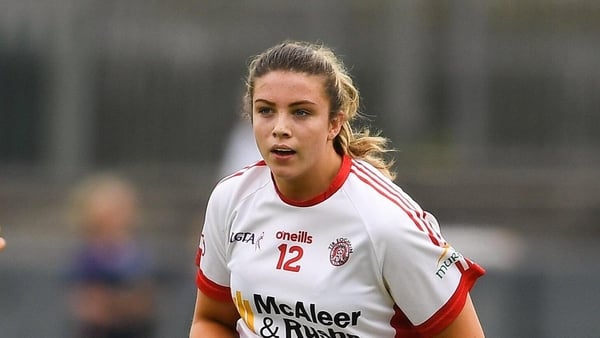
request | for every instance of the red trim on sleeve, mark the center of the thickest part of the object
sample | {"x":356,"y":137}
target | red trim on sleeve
{"x":402,"y":325}
{"x":208,"y":287}
{"x":448,"y":313}
{"x":445,"y":315}
{"x":212,"y":289}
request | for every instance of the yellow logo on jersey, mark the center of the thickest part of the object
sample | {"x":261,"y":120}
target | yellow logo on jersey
{"x":448,"y":258}
{"x":245,"y":310}
{"x":444,"y":253}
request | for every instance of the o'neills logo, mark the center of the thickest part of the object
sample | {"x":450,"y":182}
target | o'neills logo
{"x":300,"y":236}
{"x":339,"y":251}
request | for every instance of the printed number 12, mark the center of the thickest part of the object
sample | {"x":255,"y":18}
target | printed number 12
{"x":295,"y":253}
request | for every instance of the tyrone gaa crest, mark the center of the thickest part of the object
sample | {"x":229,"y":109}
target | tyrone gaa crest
{"x":339,"y":251}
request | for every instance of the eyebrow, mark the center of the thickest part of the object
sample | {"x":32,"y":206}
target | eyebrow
{"x":296,"y":103}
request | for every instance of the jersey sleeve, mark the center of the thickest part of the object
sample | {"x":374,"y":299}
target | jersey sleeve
{"x":428,"y":279}
{"x":213,"y":275}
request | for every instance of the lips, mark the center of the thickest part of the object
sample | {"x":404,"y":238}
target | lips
{"x":282,"y":150}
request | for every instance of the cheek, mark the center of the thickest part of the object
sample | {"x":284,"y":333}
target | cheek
{"x":317,"y":140}
{"x":259,"y":130}
{"x":260,"y":136}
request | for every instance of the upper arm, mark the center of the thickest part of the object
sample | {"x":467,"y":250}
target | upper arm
{"x":466,"y":324}
{"x":213,"y":318}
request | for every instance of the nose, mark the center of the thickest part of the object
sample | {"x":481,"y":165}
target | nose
{"x":281,"y":127}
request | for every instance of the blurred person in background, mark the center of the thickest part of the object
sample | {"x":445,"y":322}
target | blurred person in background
{"x":2,"y":243}
{"x":111,"y":277}
{"x":317,"y":239}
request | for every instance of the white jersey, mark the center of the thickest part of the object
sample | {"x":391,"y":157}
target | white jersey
{"x":361,"y":260}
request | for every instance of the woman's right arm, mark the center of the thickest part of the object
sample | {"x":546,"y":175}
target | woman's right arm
{"x":213,"y":318}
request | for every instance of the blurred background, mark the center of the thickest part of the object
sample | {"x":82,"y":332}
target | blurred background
{"x":494,"y":107}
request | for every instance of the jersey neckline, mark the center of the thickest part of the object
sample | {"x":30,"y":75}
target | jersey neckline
{"x":335,"y":185}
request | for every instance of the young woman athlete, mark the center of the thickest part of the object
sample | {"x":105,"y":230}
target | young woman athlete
{"x":316,"y":240}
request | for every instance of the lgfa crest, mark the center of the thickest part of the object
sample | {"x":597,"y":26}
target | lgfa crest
{"x":339,"y":251}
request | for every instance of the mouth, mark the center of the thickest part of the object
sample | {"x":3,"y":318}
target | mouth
{"x":282,"y":151}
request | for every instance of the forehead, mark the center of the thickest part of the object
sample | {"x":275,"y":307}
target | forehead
{"x":287,"y":84}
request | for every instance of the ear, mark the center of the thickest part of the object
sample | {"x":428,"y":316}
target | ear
{"x":335,"y":125}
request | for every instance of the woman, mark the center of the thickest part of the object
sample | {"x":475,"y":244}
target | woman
{"x":316,"y":240}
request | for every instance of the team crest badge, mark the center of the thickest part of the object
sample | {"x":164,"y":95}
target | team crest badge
{"x":339,"y":251}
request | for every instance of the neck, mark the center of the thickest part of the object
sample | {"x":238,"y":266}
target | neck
{"x":311,"y":185}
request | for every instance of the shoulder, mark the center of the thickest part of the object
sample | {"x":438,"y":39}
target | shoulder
{"x":241,"y":183}
{"x":387,"y":210}
{"x":368,"y":184}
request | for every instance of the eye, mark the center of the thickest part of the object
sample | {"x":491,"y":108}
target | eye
{"x":264,"y":110}
{"x":301,"y":112}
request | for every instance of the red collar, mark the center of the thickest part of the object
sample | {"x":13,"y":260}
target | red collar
{"x":335,"y":185}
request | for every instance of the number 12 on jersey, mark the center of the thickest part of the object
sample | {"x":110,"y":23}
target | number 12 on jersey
{"x":288,"y":257}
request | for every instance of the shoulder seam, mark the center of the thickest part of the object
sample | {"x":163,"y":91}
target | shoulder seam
{"x":394,"y":194}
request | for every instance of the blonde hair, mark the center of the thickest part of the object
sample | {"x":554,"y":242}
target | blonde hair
{"x":82,"y":197}
{"x":316,"y":59}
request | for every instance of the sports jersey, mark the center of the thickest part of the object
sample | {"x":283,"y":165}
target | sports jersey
{"x":360,"y":260}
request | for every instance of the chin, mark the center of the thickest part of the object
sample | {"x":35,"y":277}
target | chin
{"x":282,"y":172}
